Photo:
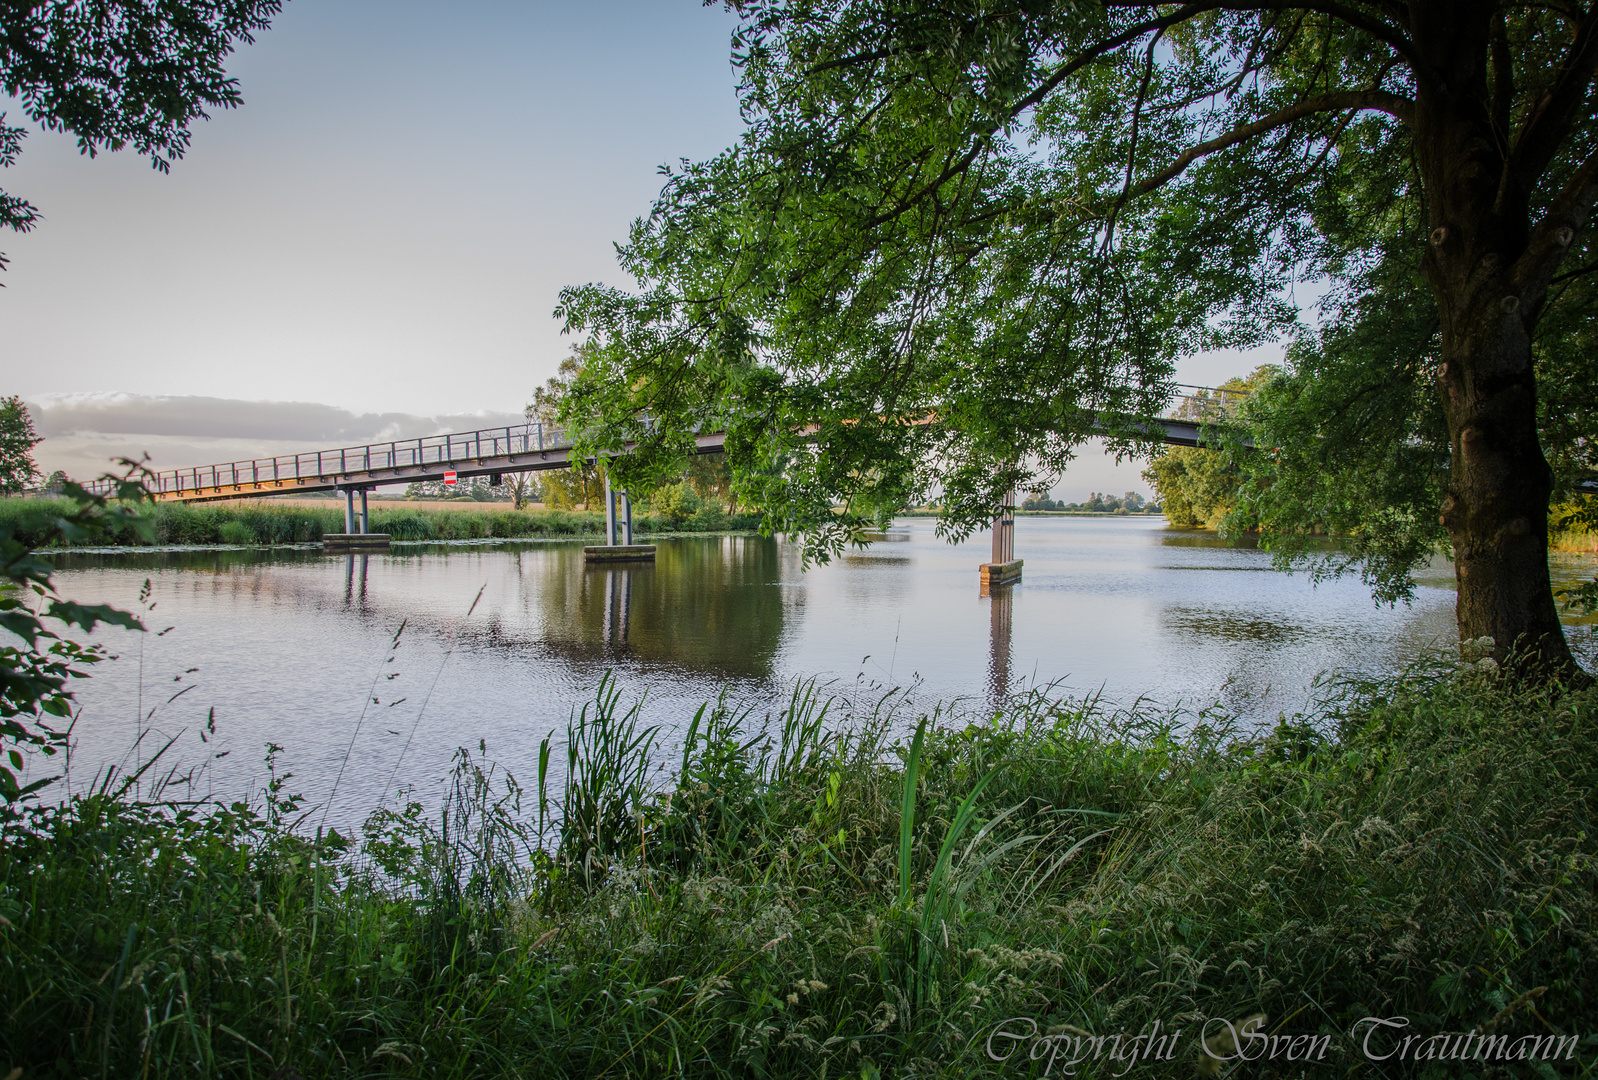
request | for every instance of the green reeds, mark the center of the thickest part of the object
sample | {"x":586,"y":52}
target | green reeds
{"x":787,"y":898}
{"x":266,"y":524}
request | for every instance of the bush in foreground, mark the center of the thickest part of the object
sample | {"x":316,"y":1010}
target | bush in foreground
{"x":822,"y":899}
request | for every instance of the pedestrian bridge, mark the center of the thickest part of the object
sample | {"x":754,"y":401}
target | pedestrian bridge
{"x":489,"y":452}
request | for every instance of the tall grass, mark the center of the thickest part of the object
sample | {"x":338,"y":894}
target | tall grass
{"x":33,"y":522}
{"x":812,"y":894}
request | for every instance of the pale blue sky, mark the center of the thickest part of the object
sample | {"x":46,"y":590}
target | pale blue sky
{"x":383,"y":226}
{"x":385,"y":223}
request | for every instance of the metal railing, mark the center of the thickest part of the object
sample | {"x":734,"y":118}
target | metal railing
{"x":1205,"y":403}
{"x":1201,"y":403}
{"x":325,"y":465}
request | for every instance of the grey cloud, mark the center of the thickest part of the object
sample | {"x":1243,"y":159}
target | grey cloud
{"x":227,"y":418}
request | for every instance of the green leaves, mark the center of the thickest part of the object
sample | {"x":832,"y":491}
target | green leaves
{"x":953,"y":243}
{"x":17,"y":437}
{"x":119,"y":74}
{"x":34,"y":677}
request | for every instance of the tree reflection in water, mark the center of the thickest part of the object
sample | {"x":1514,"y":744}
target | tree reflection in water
{"x":708,"y":605}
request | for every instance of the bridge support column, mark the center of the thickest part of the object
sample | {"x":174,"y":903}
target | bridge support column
{"x":351,"y":539}
{"x":618,"y":545}
{"x":1005,"y":567}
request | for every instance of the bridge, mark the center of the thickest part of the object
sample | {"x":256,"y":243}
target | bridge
{"x":488,"y":452}
{"x":532,"y":447}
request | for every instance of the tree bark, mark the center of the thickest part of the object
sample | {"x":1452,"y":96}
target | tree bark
{"x":1496,"y":509}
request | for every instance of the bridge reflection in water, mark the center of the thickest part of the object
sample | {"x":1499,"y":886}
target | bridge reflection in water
{"x":715,"y":607}
{"x":1000,"y":620}
{"x":356,"y":568}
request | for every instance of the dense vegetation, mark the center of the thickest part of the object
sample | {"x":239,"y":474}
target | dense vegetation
{"x":1096,"y":503}
{"x":829,"y":896}
{"x":33,"y":521}
{"x":1017,"y":219}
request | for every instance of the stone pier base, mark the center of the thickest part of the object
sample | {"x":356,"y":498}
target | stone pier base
{"x":1002,"y":573}
{"x":355,"y":541}
{"x":619,"y":553}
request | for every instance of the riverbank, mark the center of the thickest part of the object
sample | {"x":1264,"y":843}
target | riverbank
{"x":830,"y":900}
{"x":1578,"y":543}
{"x":264,"y":523}
{"x":925,"y":513}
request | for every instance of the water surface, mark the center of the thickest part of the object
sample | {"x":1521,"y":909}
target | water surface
{"x":298,"y":648}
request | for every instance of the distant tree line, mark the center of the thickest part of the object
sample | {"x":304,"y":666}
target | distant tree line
{"x":1097,"y":503}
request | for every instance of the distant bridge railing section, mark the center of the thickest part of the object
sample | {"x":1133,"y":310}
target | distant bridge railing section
{"x":329,"y":465}
{"x":1205,"y":403}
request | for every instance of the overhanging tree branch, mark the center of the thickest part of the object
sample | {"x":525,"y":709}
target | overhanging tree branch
{"x":1554,"y":234}
{"x":1378,"y":100}
{"x":1553,"y":116}
{"x":1351,"y":17}
{"x":1063,"y":72}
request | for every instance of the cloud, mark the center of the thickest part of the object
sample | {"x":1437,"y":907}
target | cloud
{"x":85,"y":433}
{"x":317,"y":426}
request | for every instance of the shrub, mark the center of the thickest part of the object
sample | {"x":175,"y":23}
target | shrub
{"x":675,"y":502}
{"x":236,"y":532}
{"x":710,"y":517}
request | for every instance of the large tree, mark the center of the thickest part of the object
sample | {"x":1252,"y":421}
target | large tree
{"x":116,"y":73}
{"x":958,"y":237}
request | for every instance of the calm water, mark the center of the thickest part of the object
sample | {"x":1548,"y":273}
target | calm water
{"x":291,"y":646}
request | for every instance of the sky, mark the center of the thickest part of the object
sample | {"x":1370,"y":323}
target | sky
{"x":374,"y":242}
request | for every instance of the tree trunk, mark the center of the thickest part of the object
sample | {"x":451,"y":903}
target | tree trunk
{"x":1496,"y":510}
{"x":1489,"y":270}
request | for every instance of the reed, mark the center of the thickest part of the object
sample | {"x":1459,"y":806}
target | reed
{"x":840,"y":888}
{"x":33,"y":521}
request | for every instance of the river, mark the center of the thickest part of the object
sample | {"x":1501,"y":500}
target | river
{"x":297,"y":648}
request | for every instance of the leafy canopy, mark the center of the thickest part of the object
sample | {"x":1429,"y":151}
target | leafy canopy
{"x":1360,"y":442}
{"x":955,"y":241}
{"x":118,"y":74}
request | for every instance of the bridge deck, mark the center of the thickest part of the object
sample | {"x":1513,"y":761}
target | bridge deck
{"x":527,"y":448}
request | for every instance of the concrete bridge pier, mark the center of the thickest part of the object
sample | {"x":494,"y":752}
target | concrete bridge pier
{"x":356,"y":535}
{"x":618,"y":545}
{"x":1005,"y":569}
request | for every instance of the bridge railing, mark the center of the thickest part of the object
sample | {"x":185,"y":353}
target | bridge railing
{"x":1205,"y":403}
{"x":1200,"y":403}
{"x":330,"y":464}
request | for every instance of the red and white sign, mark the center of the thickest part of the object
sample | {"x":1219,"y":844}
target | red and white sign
{"x":449,"y":477}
